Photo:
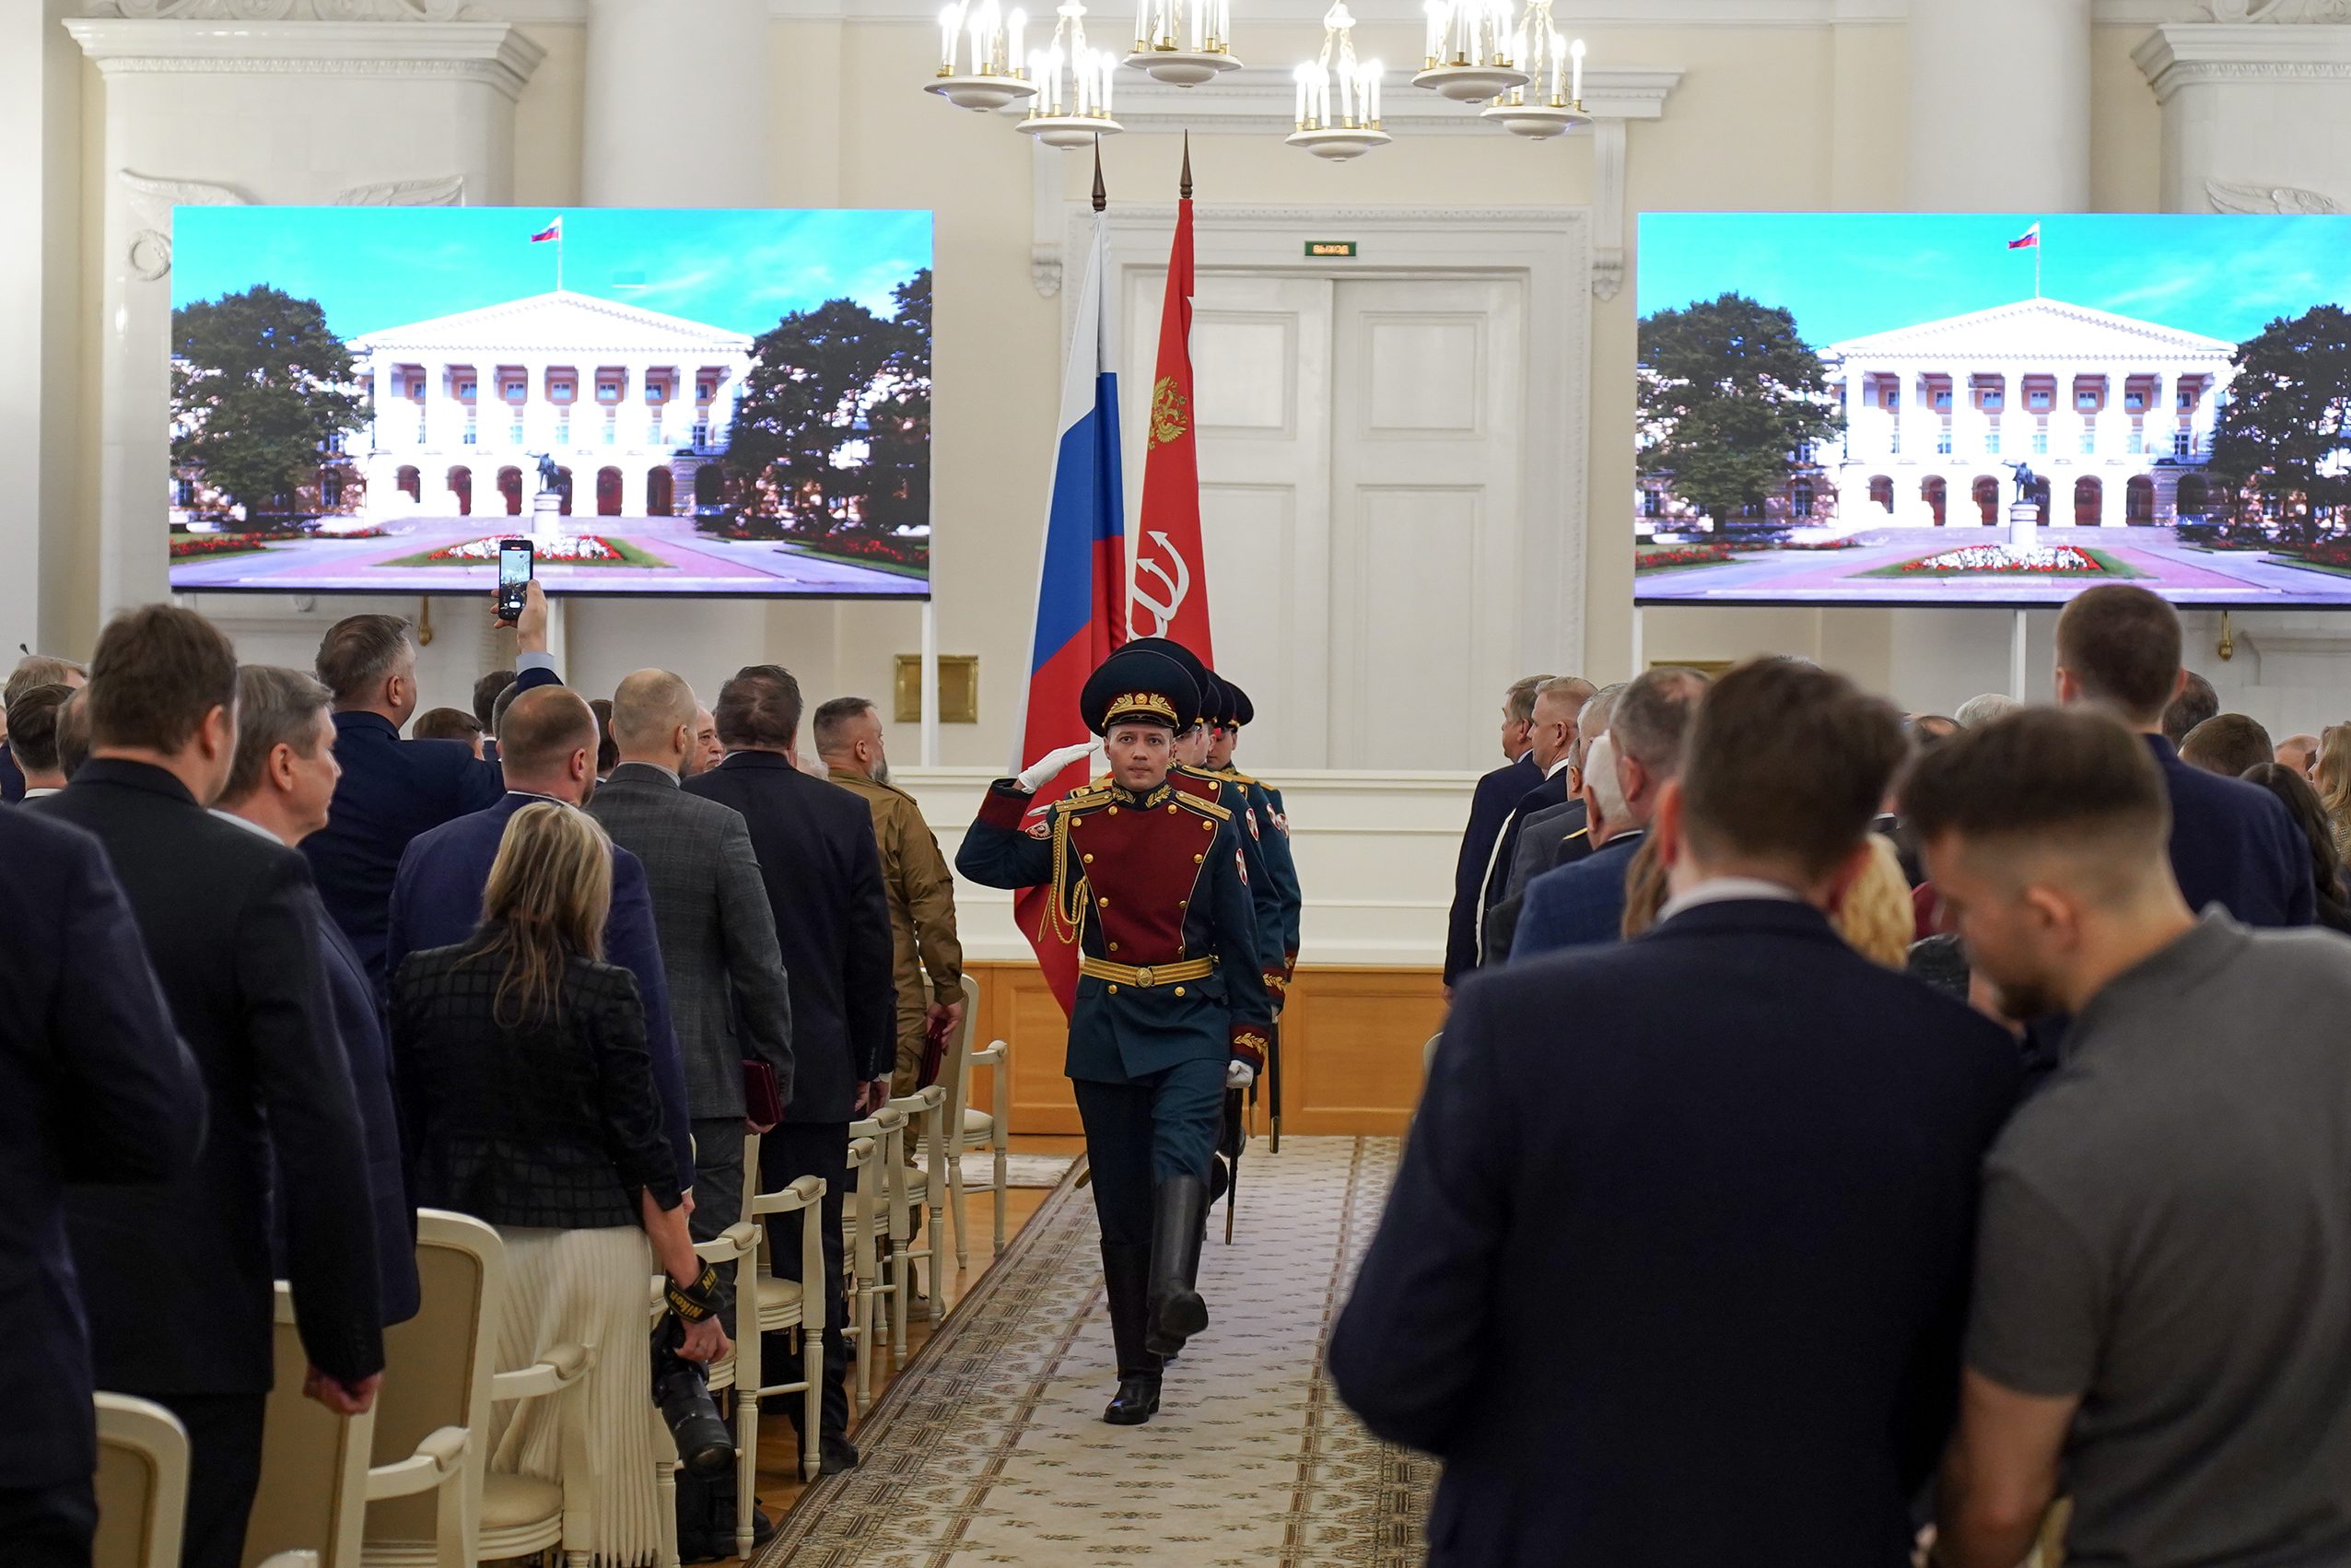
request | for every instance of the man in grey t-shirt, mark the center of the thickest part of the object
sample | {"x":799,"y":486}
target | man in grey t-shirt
{"x":2162,"y":1307}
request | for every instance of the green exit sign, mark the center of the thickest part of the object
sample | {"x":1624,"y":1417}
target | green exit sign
{"x":1331,"y":247}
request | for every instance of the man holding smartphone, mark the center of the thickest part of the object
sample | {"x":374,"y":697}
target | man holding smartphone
{"x":393,"y":789}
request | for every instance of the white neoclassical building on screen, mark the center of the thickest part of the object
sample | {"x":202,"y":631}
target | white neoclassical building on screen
{"x":2114,"y":414}
{"x":632,"y":404}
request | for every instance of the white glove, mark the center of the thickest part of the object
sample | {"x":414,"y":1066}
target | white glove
{"x":1239,"y":1074}
{"x":1042,"y":771}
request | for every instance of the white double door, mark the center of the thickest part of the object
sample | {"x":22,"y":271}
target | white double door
{"x":1361,"y":454}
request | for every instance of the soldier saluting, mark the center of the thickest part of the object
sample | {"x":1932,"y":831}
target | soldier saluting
{"x":1171,"y":1001}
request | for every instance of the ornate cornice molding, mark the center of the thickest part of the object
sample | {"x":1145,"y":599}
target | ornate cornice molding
{"x":284,"y":10}
{"x":2181,"y":54}
{"x":492,"y":53}
{"x":2229,"y":197}
{"x":2285,"y":11}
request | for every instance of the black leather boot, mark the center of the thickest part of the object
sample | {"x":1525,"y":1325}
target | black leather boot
{"x":705,"y":1448}
{"x":1179,"y":1209}
{"x":1126,"y":1276}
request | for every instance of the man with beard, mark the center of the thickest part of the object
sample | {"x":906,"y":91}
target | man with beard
{"x":925,"y":959}
{"x":2162,"y":1301}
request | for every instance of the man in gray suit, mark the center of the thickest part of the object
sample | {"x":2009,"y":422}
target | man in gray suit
{"x":728,"y":995}
{"x":1551,"y":838}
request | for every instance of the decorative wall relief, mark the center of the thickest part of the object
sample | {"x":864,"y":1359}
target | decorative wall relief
{"x":289,"y":10}
{"x":2229,"y":196}
{"x":2279,"y":10}
{"x":150,"y":255}
{"x":445,"y":191}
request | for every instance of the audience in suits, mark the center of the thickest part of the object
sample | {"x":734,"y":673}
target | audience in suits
{"x":33,"y":670}
{"x":926,"y":961}
{"x":1558,"y":706}
{"x":2193,"y":703}
{"x":531,"y":1103}
{"x":492,"y":685}
{"x":823,"y":876}
{"x":2118,"y":649}
{"x":1490,"y":803}
{"x":2229,"y":744}
{"x":104,"y":1060}
{"x":547,"y":739}
{"x":178,"y":1280}
{"x":1728,"y":1331}
{"x":1983,"y":708}
{"x":730,"y":999}
{"x":449,"y":724}
{"x":1553,"y":837}
{"x":391,"y":791}
{"x":2161,"y":1315}
{"x":280,"y":786}
{"x":1627,"y":767}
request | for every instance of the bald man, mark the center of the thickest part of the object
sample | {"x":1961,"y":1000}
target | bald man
{"x":547,"y":745}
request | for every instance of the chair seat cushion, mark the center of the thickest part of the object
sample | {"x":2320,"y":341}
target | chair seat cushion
{"x":978,"y":1123}
{"x":512,"y":1502}
{"x":776,"y":1296}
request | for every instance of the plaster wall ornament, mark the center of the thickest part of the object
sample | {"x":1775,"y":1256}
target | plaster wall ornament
{"x":286,"y":10}
{"x":2229,"y":197}
{"x":150,"y":255}
{"x":444,"y":190}
{"x":2279,"y":11}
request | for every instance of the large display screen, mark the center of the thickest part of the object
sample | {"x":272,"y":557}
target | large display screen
{"x":1989,"y":410}
{"x":688,"y":403}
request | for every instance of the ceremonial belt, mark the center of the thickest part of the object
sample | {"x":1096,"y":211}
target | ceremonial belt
{"x":1149,"y":974}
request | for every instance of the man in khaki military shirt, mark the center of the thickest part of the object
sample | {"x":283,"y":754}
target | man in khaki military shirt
{"x":922,"y":891}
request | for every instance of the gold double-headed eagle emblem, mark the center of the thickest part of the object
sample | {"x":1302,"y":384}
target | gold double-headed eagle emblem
{"x":1170,"y":416}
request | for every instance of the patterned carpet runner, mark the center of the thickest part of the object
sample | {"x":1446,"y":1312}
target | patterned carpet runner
{"x":990,"y":1448}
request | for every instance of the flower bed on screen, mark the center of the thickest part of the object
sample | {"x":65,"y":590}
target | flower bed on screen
{"x":571,"y":550}
{"x":205,"y":546}
{"x":1662,"y":558}
{"x":2004,"y":561}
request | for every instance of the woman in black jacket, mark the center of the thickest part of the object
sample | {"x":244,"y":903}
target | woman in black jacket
{"x":528,"y":1101}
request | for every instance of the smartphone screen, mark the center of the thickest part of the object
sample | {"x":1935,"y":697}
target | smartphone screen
{"x":514,"y":576}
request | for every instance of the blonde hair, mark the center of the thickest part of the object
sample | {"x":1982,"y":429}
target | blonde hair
{"x":1876,"y":917}
{"x":1644,"y":888}
{"x":549,"y":891}
{"x":2334,"y":771}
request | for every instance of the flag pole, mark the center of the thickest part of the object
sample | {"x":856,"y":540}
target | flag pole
{"x":2039,"y":243}
{"x":559,"y":257}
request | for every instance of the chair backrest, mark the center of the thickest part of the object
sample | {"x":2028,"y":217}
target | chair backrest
{"x":438,"y":1365}
{"x":141,"y":1484}
{"x":955,"y":1071}
{"x":313,"y":1490}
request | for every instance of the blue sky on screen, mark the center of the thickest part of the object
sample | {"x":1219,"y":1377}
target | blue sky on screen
{"x":1848,"y":274}
{"x":377,"y":267}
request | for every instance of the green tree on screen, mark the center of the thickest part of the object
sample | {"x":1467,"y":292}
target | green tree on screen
{"x":258,"y":385}
{"x":900,"y":420}
{"x":811,"y":376}
{"x":1731,"y":396}
{"x":2285,"y":427}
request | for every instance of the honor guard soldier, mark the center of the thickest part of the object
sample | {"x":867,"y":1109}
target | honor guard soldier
{"x":1273,"y":821}
{"x":1150,"y":879}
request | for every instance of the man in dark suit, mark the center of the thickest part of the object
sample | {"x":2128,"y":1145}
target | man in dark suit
{"x":393,"y":789}
{"x":1555,"y":836}
{"x":823,"y":878}
{"x":548,"y":740}
{"x":33,"y":670}
{"x":1559,"y":707}
{"x":1728,"y":1332}
{"x":1490,"y":804}
{"x":1627,"y":763}
{"x":2232,"y":843}
{"x":279,"y":788}
{"x":87,"y":1042}
{"x":178,"y":1282}
{"x":729,"y":998}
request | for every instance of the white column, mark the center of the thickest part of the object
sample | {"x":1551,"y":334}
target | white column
{"x":2023,"y":68}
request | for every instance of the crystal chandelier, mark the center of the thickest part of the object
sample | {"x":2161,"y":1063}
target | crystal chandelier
{"x":997,"y":76}
{"x":1072,"y":82}
{"x":1470,"y":57}
{"x":1338,"y":99}
{"x":1552,"y":103}
{"x":1183,"y":42}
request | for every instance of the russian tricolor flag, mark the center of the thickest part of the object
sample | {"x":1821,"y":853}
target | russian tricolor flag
{"x":1081,"y":582}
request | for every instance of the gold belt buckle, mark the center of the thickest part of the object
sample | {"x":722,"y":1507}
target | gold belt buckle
{"x":1142,"y":976}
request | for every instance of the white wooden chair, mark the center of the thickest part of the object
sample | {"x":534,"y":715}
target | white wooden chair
{"x":920,"y":1184}
{"x":314,"y":1491}
{"x":141,"y":1484}
{"x":522,"y":1516}
{"x":973,"y":1130}
{"x":876,"y":1147}
{"x":739,"y":1244}
{"x":438,"y":1368}
{"x":766,"y":1303}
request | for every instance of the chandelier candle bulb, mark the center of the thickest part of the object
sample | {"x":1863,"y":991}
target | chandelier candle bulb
{"x":1575,"y":54}
{"x":1014,"y":26}
{"x":950,"y":26}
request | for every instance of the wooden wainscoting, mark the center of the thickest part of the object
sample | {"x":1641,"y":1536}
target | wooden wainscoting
{"x":1352,"y":1039}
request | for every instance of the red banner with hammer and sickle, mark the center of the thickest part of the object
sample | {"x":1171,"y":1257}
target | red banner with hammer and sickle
{"x":1168,"y":596}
